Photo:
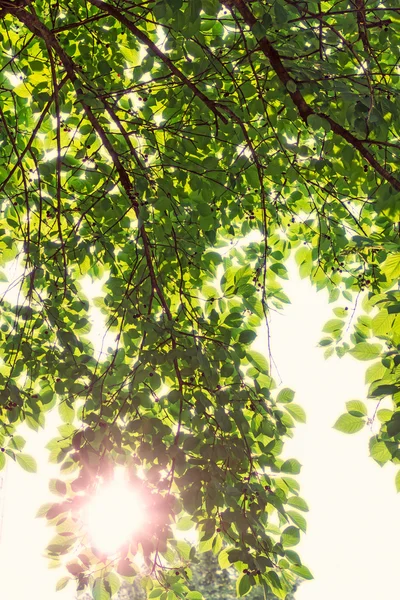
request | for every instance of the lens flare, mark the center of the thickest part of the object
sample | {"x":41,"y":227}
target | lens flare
{"x":113,"y":515}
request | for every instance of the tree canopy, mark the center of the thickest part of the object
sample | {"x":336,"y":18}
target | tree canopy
{"x":181,"y":151}
{"x":219,"y":584}
{"x":208,"y":578}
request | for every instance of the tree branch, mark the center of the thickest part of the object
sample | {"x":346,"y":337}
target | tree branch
{"x":38,"y":28}
{"x":116,"y":13}
{"x":305,"y":109}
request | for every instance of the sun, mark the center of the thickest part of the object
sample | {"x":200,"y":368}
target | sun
{"x":115,"y":512}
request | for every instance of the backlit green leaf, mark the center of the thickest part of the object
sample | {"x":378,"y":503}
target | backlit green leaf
{"x":379,"y":451}
{"x":349,"y":424}
{"x":397,"y":481}
{"x":290,"y":536}
{"x":291,"y":466}
{"x":27,"y":462}
{"x":243,"y":585}
{"x":366,"y":351}
{"x":297,"y":412}
{"x":285,"y":395}
{"x":356,"y":408}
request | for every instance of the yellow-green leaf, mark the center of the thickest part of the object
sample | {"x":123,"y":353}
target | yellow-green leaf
{"x":27,"y":462}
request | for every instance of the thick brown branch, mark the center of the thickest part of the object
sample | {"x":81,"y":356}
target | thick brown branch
{"x":38,"y":28}
{"x":7,"y":6}
{"x":140,"y":35}
{"x":305,"y":109}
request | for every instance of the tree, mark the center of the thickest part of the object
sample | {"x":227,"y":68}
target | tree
{"x":183,"y":150}
{"x":208,"y":578}
{"x":219,"y":584}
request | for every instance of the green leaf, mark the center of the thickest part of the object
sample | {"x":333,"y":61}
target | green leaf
{"x":297,"y":412}
{"x":302,"y":571}
{"x":194,"y":49}
{"x":393,"y":426}
{"x":375,"y":372}
{"x":281,"y":15}
{"x":17,"y":442}
{"x":23,"y":91}
{"x":379,"y":451}
{"x":394,"y":309}
{"x":2,"y":461}
{"x":223,"y":559}
{"x":397,"y":481}
{"x":275,"y":584}
{"x":58,"y":487}
{"x":243,"y":585}
{"x":291,"y":86}
{"x":365,"y":351}
{"x":290,"y":536}
{"x":298,"y":503}
{"x":185,"y":523}
{"x":349,"y":424}
{"x":298,"y":520}
{"x":291,"y":466}
{"x":66,"y":412}
{"x":391,"y":267}
{"x":356,"y":408}
{"x":100,"y":591}
{"x":43,"y":510}
{"x":285,"y":395}
{"x":280,"y":270}
{"x":316,"y":122}
{"x":156,"y":592}
{"x":382,"y":323}
{"x":333,"y":325}
{"x":258,"y":360}
{"x":247,"y":337}
{"x":384,"y":415}
{"x":252,"y":176}
{"x":384,"y":390}
{"x":132,"y":56}
{"x":112,"y":581}
{"x":61,"y":583}
{"x":258,"y":30}
{"x":27,"y":462}
{"x":104,"y":67}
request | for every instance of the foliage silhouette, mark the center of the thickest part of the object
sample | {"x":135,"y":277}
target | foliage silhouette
{"x":181,"y":151}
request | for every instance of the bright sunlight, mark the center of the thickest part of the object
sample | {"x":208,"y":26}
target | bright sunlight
{"x":114,"y":514}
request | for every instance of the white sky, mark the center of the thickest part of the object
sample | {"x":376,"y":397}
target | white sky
{"x":353,"y":527}
{"x":351,"y":544}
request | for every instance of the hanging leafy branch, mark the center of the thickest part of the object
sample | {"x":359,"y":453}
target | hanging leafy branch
{"x":181,"y":152}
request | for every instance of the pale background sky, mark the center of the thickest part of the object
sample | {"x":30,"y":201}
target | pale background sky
{"x":351,"y":545}
{"x":353,"y":526}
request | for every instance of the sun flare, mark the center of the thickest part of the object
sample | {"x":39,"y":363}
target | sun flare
{"x":113,"y":515}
